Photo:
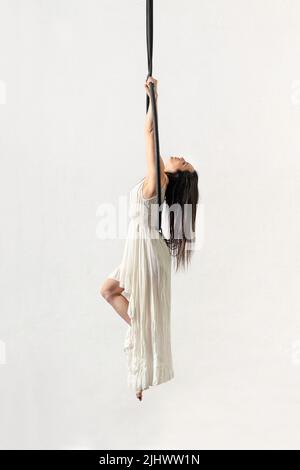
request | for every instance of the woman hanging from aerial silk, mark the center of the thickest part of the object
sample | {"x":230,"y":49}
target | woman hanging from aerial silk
{"x":139,"y":288}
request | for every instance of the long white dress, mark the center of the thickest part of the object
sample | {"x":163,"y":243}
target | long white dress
{"x":145,"y":275}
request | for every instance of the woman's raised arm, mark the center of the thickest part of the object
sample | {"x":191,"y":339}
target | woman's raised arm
{"x":149,"y":186}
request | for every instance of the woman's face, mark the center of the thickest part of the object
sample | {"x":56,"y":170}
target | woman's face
{"x":174,"y":164}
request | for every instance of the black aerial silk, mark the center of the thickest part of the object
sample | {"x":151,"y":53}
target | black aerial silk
{"x":149,"y":33}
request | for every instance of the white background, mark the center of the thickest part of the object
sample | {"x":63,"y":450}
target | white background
{"x":71,"y":138}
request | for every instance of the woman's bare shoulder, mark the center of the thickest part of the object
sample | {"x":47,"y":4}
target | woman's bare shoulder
{"x":149,"y":185}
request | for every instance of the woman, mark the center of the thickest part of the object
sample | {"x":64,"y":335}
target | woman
{"x":139,"y":289}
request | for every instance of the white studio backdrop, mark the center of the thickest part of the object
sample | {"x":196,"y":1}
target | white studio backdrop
{"x":71,"y":138}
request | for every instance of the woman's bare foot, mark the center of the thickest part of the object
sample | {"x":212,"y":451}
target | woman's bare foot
{"x":139,"y":394}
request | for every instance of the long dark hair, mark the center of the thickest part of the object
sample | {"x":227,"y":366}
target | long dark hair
{"x":182,"y":196}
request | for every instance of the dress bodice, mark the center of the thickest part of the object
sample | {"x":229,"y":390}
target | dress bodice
{"x":144,"y":211}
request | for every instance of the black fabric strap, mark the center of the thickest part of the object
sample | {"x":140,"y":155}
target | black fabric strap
{"x":149,"y":32}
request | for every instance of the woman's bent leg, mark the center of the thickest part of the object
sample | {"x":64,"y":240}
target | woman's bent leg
{"x":112,"y":293}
